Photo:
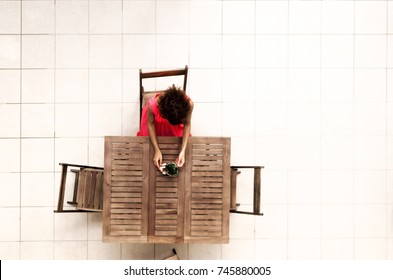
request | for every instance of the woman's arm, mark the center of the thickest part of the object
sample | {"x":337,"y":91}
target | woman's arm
{"x":186,"y":135}
{"x":157,"y":158}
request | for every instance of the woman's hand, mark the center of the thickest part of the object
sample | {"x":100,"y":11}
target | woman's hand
{"x":181,"y":159}
{"x":157,"y":158}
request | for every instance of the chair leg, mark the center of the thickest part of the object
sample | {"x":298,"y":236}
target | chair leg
{"x":257,"y":190}
{"x":185,"y":78}
{"x":60,"y":202}
{"x":76,"y":183}
{"x":234,"y":173}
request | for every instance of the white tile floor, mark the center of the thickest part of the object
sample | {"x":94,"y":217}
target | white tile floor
{"x":304,"y":88}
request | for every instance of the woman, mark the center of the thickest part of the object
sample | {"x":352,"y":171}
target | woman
{"x":167,"y":114}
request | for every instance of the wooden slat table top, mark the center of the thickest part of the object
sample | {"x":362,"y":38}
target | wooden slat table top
{"x":143,"y":206}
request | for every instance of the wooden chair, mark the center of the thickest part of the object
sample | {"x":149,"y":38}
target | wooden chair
{"x":88,"y":188}
{"x":144,"y":96}
{"x":257,"y":190}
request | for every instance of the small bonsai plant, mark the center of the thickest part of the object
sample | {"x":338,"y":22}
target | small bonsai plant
{"x":169,"y":169}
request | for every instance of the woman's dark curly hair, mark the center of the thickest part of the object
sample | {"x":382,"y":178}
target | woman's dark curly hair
{"x":174,"y":105}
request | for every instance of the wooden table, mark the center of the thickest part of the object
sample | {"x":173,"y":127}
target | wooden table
{"x":143,"y":206}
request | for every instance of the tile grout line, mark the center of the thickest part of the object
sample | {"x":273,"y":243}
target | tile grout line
{"x":287,"y":125}
{"x":191,"y":33}
{"x":155,"y":41}
{"x":320,"y":135}
{"x":207,"y":68}
{"x":20,"y":132}
{"x":386,"y":127}
{"x":54,"y":125}
{"x":255,"y":110}
{"x":88,"y":113}
{"x":353,"y":132}
{"x":122,"y":67}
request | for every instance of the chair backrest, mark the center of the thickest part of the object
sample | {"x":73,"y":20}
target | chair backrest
{"x":144,"y":96}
